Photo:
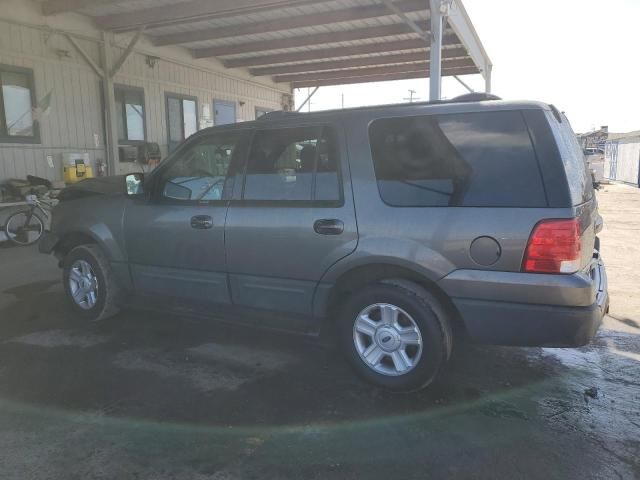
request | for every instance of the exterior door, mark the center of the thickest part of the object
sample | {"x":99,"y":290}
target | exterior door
{"x":294,"y":220}
{"x":225,"y":112}
{"x":175,"y":241}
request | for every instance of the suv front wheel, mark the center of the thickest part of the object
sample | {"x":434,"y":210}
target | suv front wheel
{"x":90,"y":283}
{"x":395,"y":335}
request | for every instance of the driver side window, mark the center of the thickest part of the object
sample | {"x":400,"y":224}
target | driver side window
{"x":201,"y":171}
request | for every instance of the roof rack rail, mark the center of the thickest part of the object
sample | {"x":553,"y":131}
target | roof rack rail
{"x":468,"y":97}
{"x":275,"y":114}
{"x":475,"y":97}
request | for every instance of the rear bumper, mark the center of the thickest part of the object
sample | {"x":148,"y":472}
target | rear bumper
{"x":522,"y":324}
{"x":563,"y":321}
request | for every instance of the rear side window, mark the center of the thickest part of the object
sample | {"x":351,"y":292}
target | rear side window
{"x":575,"y":166}
{"x":471,"y":160}
{"x":293,"y":164}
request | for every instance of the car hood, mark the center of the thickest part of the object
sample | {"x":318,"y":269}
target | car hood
{"x":94,"y":186}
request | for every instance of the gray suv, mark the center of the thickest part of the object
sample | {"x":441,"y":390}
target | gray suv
{"x":400,"y":229}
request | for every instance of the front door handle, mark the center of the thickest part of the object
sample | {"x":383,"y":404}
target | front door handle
{"x":202,"y":222}
{"x":329,"y":226}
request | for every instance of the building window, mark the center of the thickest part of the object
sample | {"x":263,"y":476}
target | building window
{"x":17,"y":101}
{"x":260,"y":111}
{"x":182,"y":119}
{"x":130,"y":114}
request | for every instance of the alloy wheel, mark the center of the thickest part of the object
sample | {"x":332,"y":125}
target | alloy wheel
{"x":83,"y":284}
{"x":387,"y":339}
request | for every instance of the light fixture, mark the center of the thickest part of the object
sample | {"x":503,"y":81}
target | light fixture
{"x":62,"y":53}
{"x":151,"y":61}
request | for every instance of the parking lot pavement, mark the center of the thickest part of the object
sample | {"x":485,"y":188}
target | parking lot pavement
{"x":150,"y":396}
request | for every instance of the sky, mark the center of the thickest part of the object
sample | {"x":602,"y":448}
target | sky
{"x":581,"y":55}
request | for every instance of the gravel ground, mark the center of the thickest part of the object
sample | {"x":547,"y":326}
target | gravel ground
{"x":155,"y":397}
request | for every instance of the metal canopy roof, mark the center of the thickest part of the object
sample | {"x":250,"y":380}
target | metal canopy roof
{"x":300,"y":42}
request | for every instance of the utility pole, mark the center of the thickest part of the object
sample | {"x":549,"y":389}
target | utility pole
{"x":342,"y":95}
{"x":411,"y":96}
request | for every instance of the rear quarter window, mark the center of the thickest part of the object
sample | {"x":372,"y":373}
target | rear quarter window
{"x":481,"y":159}
{"x":575,"y":166}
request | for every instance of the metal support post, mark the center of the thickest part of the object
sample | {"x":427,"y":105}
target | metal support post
{"x":435,"y":67}
{"x":487,"y":78}
{"x":108,"y":94}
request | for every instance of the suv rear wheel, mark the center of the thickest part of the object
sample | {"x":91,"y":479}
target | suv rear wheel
{"x":396,"y":335}
{"x":90,"y":284}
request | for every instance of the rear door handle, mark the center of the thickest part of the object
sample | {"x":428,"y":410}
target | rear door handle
{"x":202,"y":222}
{"x":329,"y":226}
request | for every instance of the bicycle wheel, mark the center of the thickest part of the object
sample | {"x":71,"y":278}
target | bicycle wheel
{"x":24,"y":228}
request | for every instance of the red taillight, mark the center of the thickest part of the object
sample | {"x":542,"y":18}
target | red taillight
{"x":554,"y":247}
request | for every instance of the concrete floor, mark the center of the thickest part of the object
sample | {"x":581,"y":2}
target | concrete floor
{"x":155,"y":397}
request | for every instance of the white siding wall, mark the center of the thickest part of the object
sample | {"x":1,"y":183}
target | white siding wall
{"x":74,"y":115}
{"x":622,"y":160}
{"x":75,"y":118}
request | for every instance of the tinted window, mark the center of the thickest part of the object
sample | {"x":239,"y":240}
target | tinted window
{"x":472,"y":159}
{"x":200,"y":171}
{"x":575,"y":166}
{"x":293,"y":164}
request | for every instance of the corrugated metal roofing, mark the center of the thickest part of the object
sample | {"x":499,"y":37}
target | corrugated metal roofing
{"x":254,"y":34}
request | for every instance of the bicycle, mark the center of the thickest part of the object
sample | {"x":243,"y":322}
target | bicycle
{"x":25,"y":227}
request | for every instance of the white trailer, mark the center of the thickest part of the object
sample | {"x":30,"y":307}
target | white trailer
{"x":622,"y":160}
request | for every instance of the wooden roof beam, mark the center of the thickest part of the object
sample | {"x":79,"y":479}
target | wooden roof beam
{"x":362,"y":72}
{"x":354,"y":62}
{"x":356,"y":72}
{"x":53,"y":7}
{"x":306,"y":40}
{"x":335,"y":52}
{"x":383,"y":78}
{"x":187,"y":12}
{"x":290,"y":23}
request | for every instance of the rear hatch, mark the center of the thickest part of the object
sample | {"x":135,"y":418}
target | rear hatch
{"x":580,"y":185}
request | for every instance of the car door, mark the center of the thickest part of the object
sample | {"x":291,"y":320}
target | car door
{"x":175,"y":239}
{"x":295,"y":218}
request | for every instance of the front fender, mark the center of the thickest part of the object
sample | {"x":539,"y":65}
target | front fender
{"x":99,"y":234}
{"x":105,"y":237}
{"x":99,"y":218}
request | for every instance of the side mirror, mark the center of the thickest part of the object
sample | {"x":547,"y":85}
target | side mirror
{"x":134,"y":183}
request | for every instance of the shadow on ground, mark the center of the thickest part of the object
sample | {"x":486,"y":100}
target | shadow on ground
{"x":153,"y":396}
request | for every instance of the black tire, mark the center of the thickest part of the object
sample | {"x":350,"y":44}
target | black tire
{"x":430,"y":318}
{"x":16,"y":232}
{"x":108,"y":298}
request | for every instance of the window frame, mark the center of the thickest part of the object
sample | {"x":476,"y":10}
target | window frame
{"x":294,"y":203}
{"x":4,"y":134}
{"x":235,"y":167}
{"x":439,"y":114}
{"x":118,"y":87}
{"x":181,"y":97}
